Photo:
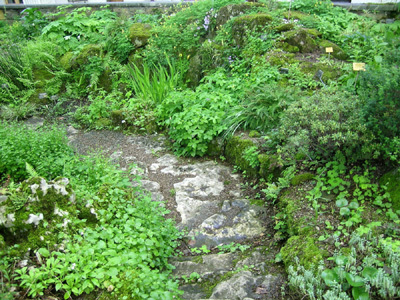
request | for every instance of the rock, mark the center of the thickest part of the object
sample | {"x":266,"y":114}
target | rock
{"x":34,"y":122}
{"x":35,"y":202}
{"x":84,"y":55}
{"x":337,"y":51}
{"x":234,"y":153}
{"x":195,"y":71}
{"x":207,"y":266}
{"x":301,"y":39}
{"x":233,"y":10}
{"x":139,"y":34}
{"x":252,"y":22}
{"x":236,"y":288}
{"x":214,"y":222}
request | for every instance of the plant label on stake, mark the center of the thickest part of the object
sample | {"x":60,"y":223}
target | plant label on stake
{"x":329,"y":50}
{"x":358,"y":67}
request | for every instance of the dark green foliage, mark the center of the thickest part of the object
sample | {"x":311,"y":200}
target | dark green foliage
{"x":325,"y":123}
{"x":380,"y":91}
{"x":45,"y":150}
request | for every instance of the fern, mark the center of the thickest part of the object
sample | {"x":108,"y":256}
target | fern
{"x":31,"y":171}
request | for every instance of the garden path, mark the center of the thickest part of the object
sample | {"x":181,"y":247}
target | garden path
{"x":207,"y":201}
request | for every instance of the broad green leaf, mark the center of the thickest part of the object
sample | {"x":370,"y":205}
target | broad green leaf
{"x":354,"y":280}
{"x":44,"y":252}
{"x":353,"y":205}
{"x":369,"y":272}
{"x":330,"y":277}
{"x":341,"y":203}
{"x":341,"y":260}
{"x":359,"y":293}
{"x":344,"y":211}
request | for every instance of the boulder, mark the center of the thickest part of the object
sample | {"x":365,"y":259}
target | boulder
{"x":248,"y":23}
{"x":37,"y":211}
{"x":139,"y":34}
{"x":337,"y":51}
{"x":300,"y":38}
{"x":233,"y":10}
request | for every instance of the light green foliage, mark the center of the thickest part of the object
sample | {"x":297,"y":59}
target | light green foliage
{"x":251,"y":155}
{"x":45,"y":150}
{"x":232,"y":247}
{"x":153,"y":83}
{"x":195,"y":118}
{"x":358,"y":273}
{"x":100,"y":107}
{"x":124,"y":253}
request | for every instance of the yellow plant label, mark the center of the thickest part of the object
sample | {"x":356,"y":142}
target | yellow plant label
{"x":329,"y":49}
{"x":359,"y":66}
{"x":2,"y":17}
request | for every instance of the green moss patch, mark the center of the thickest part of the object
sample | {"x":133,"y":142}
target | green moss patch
{"x":337,"y":51}
{"x":392,"y":182}
{"x":300,"y":178}
{"x":304,"y":248}
{"x":234,"y":153}
{"x":233,"y":10}
{"x":301,"y":39}
{"x":139,"y":34}
{"x":253,"y":22}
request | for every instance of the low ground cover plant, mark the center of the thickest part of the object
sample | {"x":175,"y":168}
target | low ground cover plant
{"x":200,"y":71}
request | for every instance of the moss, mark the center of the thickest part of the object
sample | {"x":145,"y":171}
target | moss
{"x":301,"y":39}
{"x":296,"y":224}
{"x":84,"y":55}
{"x":284,"y":27}
{"x":194,"y":73}
{"x":330,"y":73}
{"x":233,"y":10}
{"x":280,"y":58}
{"x":234,"y":153}
{"x":198,"y":259}
{"x":300,"y":178}
{"x":257,"y":202}
{"x":269,"y":168}
{"x":66,"y":61}
{"x":53,"y":207}
{"x":41,"y":76}
{"x":337,"y":51}
{"x":139,"y":34}
{"x":105,"y":81}
{"x":288,"y":48}
{"x":295,"y":15}
{"x":254,"y":134}
{"x":313,"y":32}
{"x":302,"y":247}
{"x":392,"y":182}
{"x":253,"y":22}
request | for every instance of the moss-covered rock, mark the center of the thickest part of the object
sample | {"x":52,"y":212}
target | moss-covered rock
{"x":139,"y":34}
{"x":233,"y":10}
{"x":284,"y":27}
{"x":37,"y":212}
{"x":244,"y":24}
{"x":83,"y":57}
{"x":66,"y":61}
{"x":301,"y":39}
{"x":254,"y":134}
{"x":295,"y":15}
{"x":105,"y":80}
{"x":234,"y":153}
{"x":269,"y":167}
{"x":337,"y":51}
{"x":300,"y":178}
{"x":329,"y":72}
{"x":102,"y":123}
{"x":302,"y":247}
{"x":216,"y":147}
{"x":392,"y":182}
{"x":280,"y":58}
{"x":195,"y":71}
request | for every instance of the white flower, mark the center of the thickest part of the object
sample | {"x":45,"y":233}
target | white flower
{"x":67,"y":37}
{"x":123,"y":121}
{"x":73,"y":266}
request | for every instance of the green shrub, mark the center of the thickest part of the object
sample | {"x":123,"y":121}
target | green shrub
{"x":193,"y":118}
{"x":325,"y":123}
{"x":46,"y":150}
{"x":380,"y":91}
